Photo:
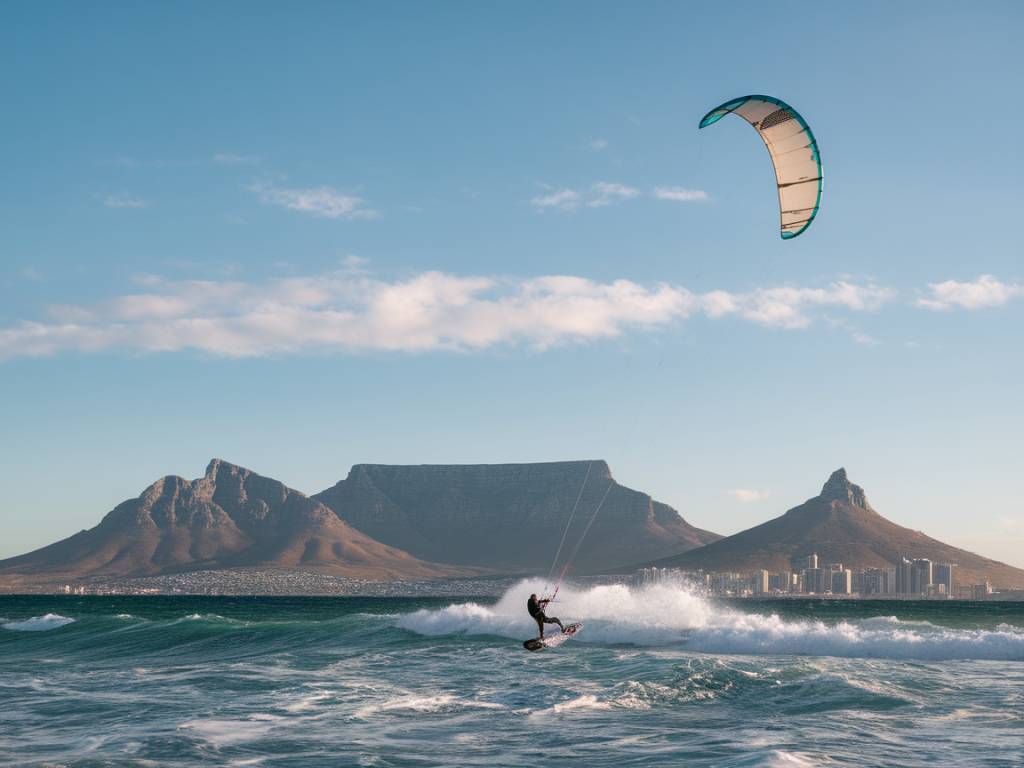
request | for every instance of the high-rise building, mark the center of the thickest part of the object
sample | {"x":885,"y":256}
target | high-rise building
{"x":921,"y":576}
{"x":879,"y":581}
{"x":761,"y":582}
{"x":904,"y":572}
{"x":817,"y":581}
{"x":943,"y":578}
{"x":842,"y":582}
{"x":779,"y":581}
{"x":801,"y":564}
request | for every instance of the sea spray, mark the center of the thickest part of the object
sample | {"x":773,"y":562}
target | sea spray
{"x":676,"y":615}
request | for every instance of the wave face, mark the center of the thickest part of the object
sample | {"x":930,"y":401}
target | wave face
{"x":674,"y":616}
{"x":658,"y":677}
{"x":37,"y":623}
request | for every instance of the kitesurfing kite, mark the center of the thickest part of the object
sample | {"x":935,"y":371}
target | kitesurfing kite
{"x":794,"y":154}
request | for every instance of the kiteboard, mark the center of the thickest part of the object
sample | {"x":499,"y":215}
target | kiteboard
{"x":536,"y":644}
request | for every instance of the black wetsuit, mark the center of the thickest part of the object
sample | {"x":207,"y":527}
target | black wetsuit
{"x":536,"y":609}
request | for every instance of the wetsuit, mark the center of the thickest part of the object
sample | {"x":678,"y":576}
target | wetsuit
{"x":536,"y":610}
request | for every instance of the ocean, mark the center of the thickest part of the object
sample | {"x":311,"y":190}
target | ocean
{"x":659,"y":676}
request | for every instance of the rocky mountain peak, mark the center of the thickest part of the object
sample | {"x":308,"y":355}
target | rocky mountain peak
{"x":221,"y":468}
{"x":839,"y":488}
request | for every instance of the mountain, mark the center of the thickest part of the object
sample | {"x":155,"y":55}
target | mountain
{"x":510,"y":517}
{"x":841,"y":526}
{"x":230,"y":517}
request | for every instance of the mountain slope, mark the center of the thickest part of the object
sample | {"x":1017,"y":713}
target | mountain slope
{"x":230,"y":517}
{"x":510,"y":517}
{"x":841,"y":526}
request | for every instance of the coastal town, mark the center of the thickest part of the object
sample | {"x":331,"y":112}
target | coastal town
{"x":917,"y":579}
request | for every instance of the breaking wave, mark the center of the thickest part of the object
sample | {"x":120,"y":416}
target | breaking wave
{"x":673,"y":615}
{"x":38,"y":623}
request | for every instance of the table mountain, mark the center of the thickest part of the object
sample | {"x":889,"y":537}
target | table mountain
{"x":510,"y":517}
{"x":230,"y":517}
{"x":842,"y":527}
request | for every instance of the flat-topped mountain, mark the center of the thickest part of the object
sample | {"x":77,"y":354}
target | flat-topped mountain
{"x":229,"y":518}
{"x":510,"y":517}
{"x":841,"y":527}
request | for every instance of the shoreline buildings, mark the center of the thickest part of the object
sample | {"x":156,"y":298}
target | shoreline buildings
{"x":918,"y":578}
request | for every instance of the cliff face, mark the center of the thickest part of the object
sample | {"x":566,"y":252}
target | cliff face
{"x":842,"y":527}
{"x":510,"y":517}
{"x":230,"y":517}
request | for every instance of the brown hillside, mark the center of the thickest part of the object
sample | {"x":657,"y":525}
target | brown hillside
{"x":510,"y":517}
{"x":229,"y":518}
{"x":841,"y":526}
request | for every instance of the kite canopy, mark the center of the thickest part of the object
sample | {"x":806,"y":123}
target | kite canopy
{"x":794,"y":154}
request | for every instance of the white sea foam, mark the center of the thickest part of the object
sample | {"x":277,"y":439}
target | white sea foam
{"x":586,"y":702}
{"x":781,"y":759}
{"x":308,"y":701}
{"x":38,"y":623}
{"x":421,"y":704}
{"x":222,"y":733}
{"x":662,"y":615}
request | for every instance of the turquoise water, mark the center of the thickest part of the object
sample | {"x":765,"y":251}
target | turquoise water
{"x":658,"y":677}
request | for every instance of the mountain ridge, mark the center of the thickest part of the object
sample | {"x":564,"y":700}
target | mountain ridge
{"x":510,"y":517}
{"x":841,"y":526}
{"x":230,"y":517}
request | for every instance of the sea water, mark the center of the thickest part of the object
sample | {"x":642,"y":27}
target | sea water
{"x":660,"y":676}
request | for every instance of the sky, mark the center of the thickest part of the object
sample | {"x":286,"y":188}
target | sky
{"x":303,"y":236}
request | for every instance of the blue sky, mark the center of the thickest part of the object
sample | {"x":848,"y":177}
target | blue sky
{"x":299,"y":237}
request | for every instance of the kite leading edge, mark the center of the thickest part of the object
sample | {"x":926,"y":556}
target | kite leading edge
{"x":794,"y":153}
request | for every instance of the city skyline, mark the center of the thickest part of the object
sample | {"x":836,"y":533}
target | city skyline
{"x":910,"y":578}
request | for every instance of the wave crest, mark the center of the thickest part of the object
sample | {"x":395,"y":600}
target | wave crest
{"x":38,"y":623}
{"x":673,"y":615}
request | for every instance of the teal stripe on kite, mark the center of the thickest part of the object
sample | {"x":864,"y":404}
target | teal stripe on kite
{"x":732,"y":105}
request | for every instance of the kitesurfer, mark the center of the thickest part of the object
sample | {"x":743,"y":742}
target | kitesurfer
{"x":536,"y":609}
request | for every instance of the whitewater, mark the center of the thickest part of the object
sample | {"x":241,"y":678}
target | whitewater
{"x":659,"y":676}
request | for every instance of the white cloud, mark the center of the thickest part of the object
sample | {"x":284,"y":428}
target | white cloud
{"x":599,"y":194}
{"x":324,"y":202}
{"x":864,"y":339}
{"x":124,"y":201}
{"x":747,"y":496}
{"x":230,"y":158}
{"x":788,"y":307}
{"x":563,"y":199}
{"x":598,"y":145}
{"x":349,"y":310}
{"x":680,"y":195}
{"x":608,"y":192}
{"x":984,"y":292}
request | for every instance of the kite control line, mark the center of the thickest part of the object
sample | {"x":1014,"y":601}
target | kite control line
{"x":565,"y":533}
{"x":583,"y":535}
